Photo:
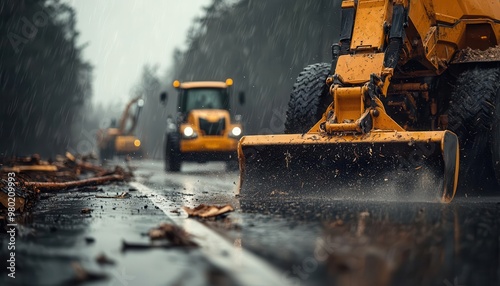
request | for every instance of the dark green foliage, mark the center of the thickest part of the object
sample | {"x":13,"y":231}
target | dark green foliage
{"x":44,"y":83}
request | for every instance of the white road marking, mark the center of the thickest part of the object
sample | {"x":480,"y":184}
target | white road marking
{"x":244,"y":266}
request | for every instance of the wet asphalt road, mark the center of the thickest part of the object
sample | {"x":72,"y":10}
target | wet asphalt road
{"x":266,"y":241}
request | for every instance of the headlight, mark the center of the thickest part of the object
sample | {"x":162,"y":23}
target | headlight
{"x":188,"y":131}
{"x":236,"y":131}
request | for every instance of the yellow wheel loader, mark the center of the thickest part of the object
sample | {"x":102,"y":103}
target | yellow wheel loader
{"x":120,"y":140}
{"x":203,"y":129}
{"x":412,"y":88}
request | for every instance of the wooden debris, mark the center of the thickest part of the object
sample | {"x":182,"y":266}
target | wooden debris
{"x":174,"y":234}
{"x":34,"y":175}
{"x":165,"y":236}
{"x":205,"y":211}
{"x":35,"y":168}
{"x":278,"y":192}
{"x":124,"y":195}
{"x":51,"y":186}
{"x":19,"y":199}
{"x":102,"y":259}
{"x":86,"y":211}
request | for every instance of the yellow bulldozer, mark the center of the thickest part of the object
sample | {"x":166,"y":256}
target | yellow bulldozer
{"x":203,"y":129}
{"x":411,"y":94}
{"x":120,"y":140}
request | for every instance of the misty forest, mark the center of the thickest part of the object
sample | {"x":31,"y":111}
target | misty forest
{"x":46,"y":84}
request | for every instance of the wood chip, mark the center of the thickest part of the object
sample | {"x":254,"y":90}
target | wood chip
{"x":205,"y":211}
{"x":174,"y":234}
{"x":86,"y":211}
{"x":102,"y":259}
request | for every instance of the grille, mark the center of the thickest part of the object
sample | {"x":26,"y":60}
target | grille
{"x":213,"y":128}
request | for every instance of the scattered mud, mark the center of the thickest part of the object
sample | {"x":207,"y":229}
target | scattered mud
{"x":470,"y":55}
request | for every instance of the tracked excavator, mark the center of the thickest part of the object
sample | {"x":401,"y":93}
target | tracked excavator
{"x":408,"y":105}
{"x":120,"y":140}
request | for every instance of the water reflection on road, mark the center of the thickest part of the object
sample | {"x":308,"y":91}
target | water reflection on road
{"x":350,"y":242}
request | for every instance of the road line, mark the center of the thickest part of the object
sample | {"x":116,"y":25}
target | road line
{"x":244,"y":266}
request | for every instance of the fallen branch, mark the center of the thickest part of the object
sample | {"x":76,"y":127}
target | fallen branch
{"x":27,"y":168}
{"x":50,"y":186}
{"x":90,"y":167}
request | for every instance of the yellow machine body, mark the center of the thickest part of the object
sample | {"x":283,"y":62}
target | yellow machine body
{"x":127,"y":144}
{"x":120,"y":140}
{"x":357,"y":145}
{"x":203,"y":130}
{"x":220,"y":142}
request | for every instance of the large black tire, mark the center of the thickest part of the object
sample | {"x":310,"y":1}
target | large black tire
{"x":103,"y":154}
{"x":309,"y":99}
{"x":173,"y":158}
{"x":495,"y":138}
{"x":107,"y":153}
{"x":471,"y":117}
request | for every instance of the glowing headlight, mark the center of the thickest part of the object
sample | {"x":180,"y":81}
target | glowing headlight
{"x":188,"y":131}
{"x":236,"y":131}
{"x":137,"y":142}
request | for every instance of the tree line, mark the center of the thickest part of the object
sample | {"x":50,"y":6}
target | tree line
{"x":44,"y":83}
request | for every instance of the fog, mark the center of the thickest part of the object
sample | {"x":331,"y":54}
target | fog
{"x":123,"y":35}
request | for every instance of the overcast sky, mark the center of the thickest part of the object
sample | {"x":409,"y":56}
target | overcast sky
{"x":123,"y":35}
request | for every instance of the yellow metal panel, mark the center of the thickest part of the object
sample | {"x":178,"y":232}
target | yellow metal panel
{"x":316,"y":138}
{"x":112,"y":132}
{"x":348,"y":104}
{"x":384,"y":121}
{"x":209,"y":144}
{"x":124,"y":144}
{"x":488,"y":8}
{"x":369,"y":24}
{"x":201,"y":84}
{"x":356,"y":69}
{"x":412,"y":146}
{"x":211,"y":115}
{"x":348,"y":4}
{"x":420,"y":17}
{"x":448,"y":18}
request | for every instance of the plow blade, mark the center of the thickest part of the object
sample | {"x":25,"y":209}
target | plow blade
{"x":379,"y":165}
